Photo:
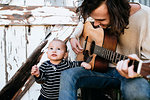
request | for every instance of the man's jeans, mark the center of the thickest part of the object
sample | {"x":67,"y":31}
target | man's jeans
{"x":74,"y":78}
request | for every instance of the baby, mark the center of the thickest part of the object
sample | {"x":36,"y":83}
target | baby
{"x":48,"y":74}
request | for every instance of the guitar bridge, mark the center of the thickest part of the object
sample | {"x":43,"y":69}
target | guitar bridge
{"x":89,"y":59}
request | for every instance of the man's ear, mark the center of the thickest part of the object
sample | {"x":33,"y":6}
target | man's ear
{"x":66,"y":55}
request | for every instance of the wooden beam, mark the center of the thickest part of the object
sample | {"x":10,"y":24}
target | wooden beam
{"x":21,"y":76}
{"x":37,"y":15}
{"x":24,"y":89}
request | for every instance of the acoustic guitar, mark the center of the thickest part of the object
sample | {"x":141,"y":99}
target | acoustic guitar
{"x":99,"y":51}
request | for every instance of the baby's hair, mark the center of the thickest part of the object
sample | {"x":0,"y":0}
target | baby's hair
{"x":61,"y":42}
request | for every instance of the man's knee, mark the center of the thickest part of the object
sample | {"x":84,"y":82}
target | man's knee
{"x":136,"y":89}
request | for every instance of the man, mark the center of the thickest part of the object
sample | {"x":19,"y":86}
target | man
{"x":130,"y":22}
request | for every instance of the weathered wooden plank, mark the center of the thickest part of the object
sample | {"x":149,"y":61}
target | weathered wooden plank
{"x":18,"y":80}
{"x":33,"y":92}
{"x":2,"y":57}
{"x":17,"y":2}
{"x":35,"y":34}
{"x":39,"y":2}
{"x":15,"y":48}
{"x":24,"y":89}
{"x":36,"y":2}
{"x":37,"y":15}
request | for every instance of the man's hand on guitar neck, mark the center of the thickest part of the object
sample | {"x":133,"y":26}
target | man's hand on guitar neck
{"x":125,"y":70}
{"x":76,"y":47}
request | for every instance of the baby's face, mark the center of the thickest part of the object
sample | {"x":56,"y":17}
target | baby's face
{"x":56,"y":51}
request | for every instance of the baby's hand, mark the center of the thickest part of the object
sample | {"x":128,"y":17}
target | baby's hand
{"x":86,"y":65}
{"x":35,"y":71}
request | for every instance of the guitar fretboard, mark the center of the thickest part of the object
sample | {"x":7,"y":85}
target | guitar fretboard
{"x":112,"y":56}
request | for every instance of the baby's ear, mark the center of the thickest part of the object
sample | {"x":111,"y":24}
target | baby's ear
{"x":66,"y":55}
{"x":47,"y":52}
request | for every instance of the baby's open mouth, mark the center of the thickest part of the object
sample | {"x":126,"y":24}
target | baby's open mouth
{"x":54,"y":55}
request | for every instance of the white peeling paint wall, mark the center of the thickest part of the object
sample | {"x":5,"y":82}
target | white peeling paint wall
{"x":16,"y":45}
{"x":12,"y":52}
{"x":19,"y":37}
{"x":40,"y":2}
{"x":2,"y":57}
{"x":18,"y":42}
{"x":54,"y":2}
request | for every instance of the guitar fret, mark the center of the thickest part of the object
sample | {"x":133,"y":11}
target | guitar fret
{"x":105,"y":54}
{"x":113,"y":57}
{"x":108,"y":54}
{"x":108,"y":57}
{"x":98,"y":51}
{"x":116,"y":58}
{"x":119,"y":58}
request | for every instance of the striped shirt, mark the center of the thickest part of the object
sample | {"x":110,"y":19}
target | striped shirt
{"x":50,"y":77}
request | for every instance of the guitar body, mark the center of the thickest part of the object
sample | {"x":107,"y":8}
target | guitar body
{"x":99,"y":50}
{"x":145,"y":70}
{"x":96,"y":36}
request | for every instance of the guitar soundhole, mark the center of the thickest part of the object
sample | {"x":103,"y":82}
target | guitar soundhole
{"x":92,"y":48}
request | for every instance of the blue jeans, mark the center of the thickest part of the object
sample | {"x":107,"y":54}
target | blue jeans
{"x":78,"y":77}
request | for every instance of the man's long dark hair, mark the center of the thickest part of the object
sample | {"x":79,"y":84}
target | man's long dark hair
{"x":119,"y":12}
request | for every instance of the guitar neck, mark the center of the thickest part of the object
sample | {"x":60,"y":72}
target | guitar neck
{"x":113,"y":57}
{"x":109,"y":55}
